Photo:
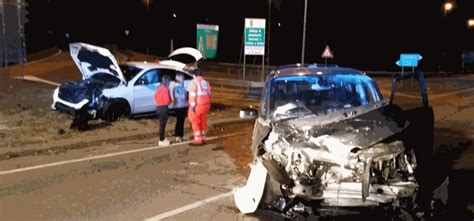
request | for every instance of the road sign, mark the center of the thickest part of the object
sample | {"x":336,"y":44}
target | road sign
{"x":416,"y":57}
{"x":206,"y":39}
{"x":409,"y":60}
{"x":254,"y":36}
{"x":327,"y":53}
{"x":407,"y":63}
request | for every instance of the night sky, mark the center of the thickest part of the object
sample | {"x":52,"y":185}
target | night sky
{"x":364,"y":34}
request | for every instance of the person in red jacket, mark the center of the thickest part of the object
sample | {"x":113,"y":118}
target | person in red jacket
{"x":162,"y":100}
{"x":199,"y":105}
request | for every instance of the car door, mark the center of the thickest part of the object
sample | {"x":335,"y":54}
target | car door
{"x":144,"y":91}
{"x":410,"y":100}
{"x":409,"y":94}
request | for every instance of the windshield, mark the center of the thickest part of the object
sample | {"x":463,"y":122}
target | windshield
{"x":294,"y":96}
{"x":129,"y":71}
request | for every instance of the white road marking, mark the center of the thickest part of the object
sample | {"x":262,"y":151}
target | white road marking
{"x":6,"y":172}
{"x":189,"y":207}
{"x":451,"y":93}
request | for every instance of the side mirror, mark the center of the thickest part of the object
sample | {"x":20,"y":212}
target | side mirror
{"x":248,"y":113}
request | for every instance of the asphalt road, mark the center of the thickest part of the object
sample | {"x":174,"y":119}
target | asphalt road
{"x":130,"y":186}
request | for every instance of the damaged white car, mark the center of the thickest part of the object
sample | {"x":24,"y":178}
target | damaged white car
{"x":108,"y":90}
{"x":325,"y":138}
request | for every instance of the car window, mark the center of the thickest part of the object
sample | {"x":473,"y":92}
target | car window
{"x":169,"y":72}
{"x":108,"y":80}
{"x":187,"y":76}
{"x":408,"y":94}
{"x":150,"y":77}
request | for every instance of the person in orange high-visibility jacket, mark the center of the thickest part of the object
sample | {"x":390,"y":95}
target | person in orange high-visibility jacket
{"x":199,"y":104}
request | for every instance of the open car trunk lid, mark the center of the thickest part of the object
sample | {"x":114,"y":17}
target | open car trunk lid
{"x":183,"y":58}
{"x":91,"y":59}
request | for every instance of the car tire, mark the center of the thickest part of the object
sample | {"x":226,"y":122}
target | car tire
{"x":80,"y":120}
{"x":116,"y":111}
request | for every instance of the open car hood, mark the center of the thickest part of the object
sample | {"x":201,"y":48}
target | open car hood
{"x":91,"y":59}
{"x":183,"y":58}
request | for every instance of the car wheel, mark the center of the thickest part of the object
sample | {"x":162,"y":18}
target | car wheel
{"x":117,"y":111}
{"x":79,"y":121}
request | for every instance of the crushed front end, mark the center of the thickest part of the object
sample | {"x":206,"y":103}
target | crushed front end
{"x":356,"y":162}
{"x":340,"y":175}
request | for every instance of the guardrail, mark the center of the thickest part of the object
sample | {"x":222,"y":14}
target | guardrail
{"x":252,"y":89}
{"x":393,"y":73}
{"x":254,"y":71}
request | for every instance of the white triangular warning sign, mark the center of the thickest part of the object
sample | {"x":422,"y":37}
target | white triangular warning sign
{"x":327,"y":53}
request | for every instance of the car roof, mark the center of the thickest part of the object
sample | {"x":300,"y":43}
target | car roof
{"x":145,"y":65}
{"x":309,"y":69}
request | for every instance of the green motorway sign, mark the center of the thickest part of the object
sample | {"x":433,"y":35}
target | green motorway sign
{"x":206,"y":40}
{"x":254,"y":36}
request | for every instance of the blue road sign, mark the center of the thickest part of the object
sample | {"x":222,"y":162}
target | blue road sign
{"x":409,"y":60}
{"x":416,"y":57}
{"x":407,"y":63}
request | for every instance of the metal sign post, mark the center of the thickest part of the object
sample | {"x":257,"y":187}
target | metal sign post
{"x":254,"y":39}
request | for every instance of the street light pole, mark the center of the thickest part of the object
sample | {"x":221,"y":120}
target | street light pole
{"x":147,"y":3}
{"x":172,"y":31}
{"x":269,"y":29}
{"x":448,"y":6}
{"x":304,"y":31}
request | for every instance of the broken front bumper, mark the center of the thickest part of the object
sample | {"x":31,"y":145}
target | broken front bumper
{"x":349,"y":194}
{"x":65,"y":106}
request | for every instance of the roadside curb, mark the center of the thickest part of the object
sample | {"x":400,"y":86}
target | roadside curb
{"x":59,"y":52}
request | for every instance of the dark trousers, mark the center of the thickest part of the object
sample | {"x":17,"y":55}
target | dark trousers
{"x":162,"y":112}
{"x":180,"y":117}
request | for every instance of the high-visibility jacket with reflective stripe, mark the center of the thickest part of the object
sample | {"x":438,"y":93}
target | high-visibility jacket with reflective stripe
{"x":199,"y":92}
